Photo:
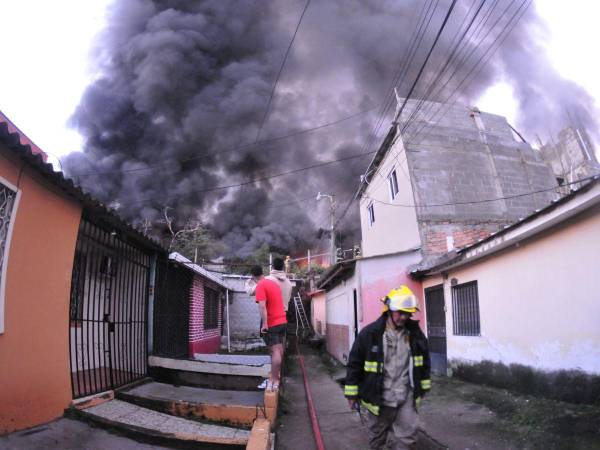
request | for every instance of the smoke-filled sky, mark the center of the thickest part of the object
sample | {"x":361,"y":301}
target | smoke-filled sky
{"x":180,"y":90}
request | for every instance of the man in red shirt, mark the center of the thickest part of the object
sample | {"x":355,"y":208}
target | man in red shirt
{"x":273,"y":322}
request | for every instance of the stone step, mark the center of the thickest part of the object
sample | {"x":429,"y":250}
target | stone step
{"x":227,"y":375}
{"x":157,"y":427}
{"x":238,"y":408}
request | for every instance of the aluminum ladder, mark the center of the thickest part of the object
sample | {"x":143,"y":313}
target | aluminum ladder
{"x":301,"y":319}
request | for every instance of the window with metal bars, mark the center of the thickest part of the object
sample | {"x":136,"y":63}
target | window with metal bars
{"x":211,"y":308}
{"x":465,"y":309}
{"x":7,"y":202}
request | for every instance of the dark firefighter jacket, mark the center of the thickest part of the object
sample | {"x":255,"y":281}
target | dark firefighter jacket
{"x":364,"y":377}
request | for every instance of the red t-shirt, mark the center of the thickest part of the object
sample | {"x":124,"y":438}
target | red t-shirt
{"x":270,"y":292}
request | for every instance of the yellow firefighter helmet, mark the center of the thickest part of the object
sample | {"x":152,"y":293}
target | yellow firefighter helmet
{"x":401,"y":299}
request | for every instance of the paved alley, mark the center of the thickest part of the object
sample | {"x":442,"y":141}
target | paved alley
{"x":456,"y":415}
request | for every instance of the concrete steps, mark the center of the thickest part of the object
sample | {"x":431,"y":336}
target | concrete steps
{"x":226,"y":372}
{"x":236,"y":408}
{"x":158,"y":427}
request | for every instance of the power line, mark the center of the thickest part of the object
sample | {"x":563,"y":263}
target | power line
{"x":287,"y":52}
{"x":398,"y":114}
{"x":435,"y":41}
{"x":233,"y":149}
{"x":255,"y":180}
{"x":511,"y":23}
{"x":489,"y":200}
{"x":499,"y":40}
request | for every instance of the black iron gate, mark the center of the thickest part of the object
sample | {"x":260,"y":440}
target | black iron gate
{"x":108,"y":312}
{"x":172,"y":310}
{"x":436,"y":328}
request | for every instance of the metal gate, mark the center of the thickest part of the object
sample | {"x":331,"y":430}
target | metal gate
{"x":172,"y":310}
{"x":436,"y":328}
{"x":108,"y":311}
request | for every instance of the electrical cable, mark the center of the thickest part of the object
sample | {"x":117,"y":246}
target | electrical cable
{"x":287,"y":52}
{"x":240,"y":147}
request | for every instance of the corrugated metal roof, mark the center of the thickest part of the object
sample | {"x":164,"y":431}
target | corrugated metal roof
{"x":197,"y":269}
{"x":92,"y":207}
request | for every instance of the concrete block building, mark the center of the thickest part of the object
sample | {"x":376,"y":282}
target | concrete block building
{"x":572,"y":157}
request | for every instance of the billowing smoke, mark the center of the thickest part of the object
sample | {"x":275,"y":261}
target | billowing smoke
{"x":183,"y":87}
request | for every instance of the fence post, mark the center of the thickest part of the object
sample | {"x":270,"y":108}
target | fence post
{"x":151,"y":289}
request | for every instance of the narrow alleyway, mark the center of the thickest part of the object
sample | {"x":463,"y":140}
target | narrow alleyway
{"x":456,"y":415}
{"x":341,"y":428}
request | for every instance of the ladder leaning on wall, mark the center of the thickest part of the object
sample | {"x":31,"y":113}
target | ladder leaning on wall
{"x":301,"y":319}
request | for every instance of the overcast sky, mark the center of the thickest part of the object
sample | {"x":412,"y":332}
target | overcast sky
{"x":46,"y":46}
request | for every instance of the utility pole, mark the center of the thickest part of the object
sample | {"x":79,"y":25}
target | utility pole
{"x":332,"y":206}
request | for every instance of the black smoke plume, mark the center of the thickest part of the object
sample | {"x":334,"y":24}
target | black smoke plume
{"x":182,"y":87}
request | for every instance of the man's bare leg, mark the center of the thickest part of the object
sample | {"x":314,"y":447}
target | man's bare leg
{"x":276,"y":357}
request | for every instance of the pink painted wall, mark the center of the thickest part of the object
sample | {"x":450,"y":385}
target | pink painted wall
{"x":381,"y":274}
{"x":201,"y":340}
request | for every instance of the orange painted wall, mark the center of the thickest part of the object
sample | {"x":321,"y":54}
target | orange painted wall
{"x":35,"y":384}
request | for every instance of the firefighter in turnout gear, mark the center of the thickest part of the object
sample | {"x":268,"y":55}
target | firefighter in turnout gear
{"x":388,"y":372}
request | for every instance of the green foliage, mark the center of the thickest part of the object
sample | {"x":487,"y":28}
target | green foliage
{"x":188,"y":242}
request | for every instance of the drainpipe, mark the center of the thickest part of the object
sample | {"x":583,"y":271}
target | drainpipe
{"x":152,"y":282}
{"x":227,"y":308}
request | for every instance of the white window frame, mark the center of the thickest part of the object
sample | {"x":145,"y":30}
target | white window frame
{"x":7,"y":245}
{"x":393,"y":184}
{"x":371,"y":214}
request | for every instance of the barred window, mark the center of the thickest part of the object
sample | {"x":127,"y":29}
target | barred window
{"x":7,"y":202}
{"x":465,"y":309}
{"x":211,"y":308}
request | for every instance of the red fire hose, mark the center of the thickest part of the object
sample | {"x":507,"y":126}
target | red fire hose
{"x":311,"y":407}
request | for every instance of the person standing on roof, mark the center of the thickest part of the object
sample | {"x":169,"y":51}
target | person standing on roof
{"x":388,"y":372}
{"x":273,"y":321}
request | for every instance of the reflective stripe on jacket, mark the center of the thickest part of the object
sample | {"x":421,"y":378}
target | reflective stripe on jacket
{"x":364,"y":375}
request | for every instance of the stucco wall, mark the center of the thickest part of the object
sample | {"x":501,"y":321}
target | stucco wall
{"x":538,"y":302}
{"x":319,"y":313}
{"x":381,"y":274}
{"x":340,"y":319}
{"x":395,"y":228}
{"x":34,"y":348}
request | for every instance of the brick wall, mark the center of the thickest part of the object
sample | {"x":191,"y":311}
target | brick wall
{"x":435,"y":235}
{"x":201,"y":340}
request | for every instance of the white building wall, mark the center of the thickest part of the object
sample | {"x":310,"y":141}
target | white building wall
{"x":395,"y":228}
{"x":340,"y":319}
{"x":539,"y":301}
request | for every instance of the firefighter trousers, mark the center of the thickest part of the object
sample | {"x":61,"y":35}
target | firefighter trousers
{"x":394,"y":428}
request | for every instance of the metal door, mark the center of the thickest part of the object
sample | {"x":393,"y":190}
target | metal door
{"x":108,"y":320}
{"x":436,"y":328}
{"x":172,"y":310}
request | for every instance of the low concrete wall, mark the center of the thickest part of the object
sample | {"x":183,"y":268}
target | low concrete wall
{"x":572,"y":386}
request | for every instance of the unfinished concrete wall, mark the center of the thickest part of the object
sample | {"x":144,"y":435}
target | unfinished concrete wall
{"x":572,"y":157}
{"x":244,"y":318}
{"x":463,"y":167}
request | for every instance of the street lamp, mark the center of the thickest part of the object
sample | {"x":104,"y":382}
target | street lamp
{"x":332,"y":206}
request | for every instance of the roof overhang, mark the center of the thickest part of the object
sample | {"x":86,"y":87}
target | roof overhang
{"x":556,"y":213}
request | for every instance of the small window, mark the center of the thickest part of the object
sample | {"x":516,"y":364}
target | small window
{"x":211,"y":308}
{"x":371,"y":214}
{"x":8,"y":200}
{"x":393,"y":184}
{"x":465,"y":309}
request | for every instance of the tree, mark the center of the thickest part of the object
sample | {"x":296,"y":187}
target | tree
{"x":193,"y":240}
